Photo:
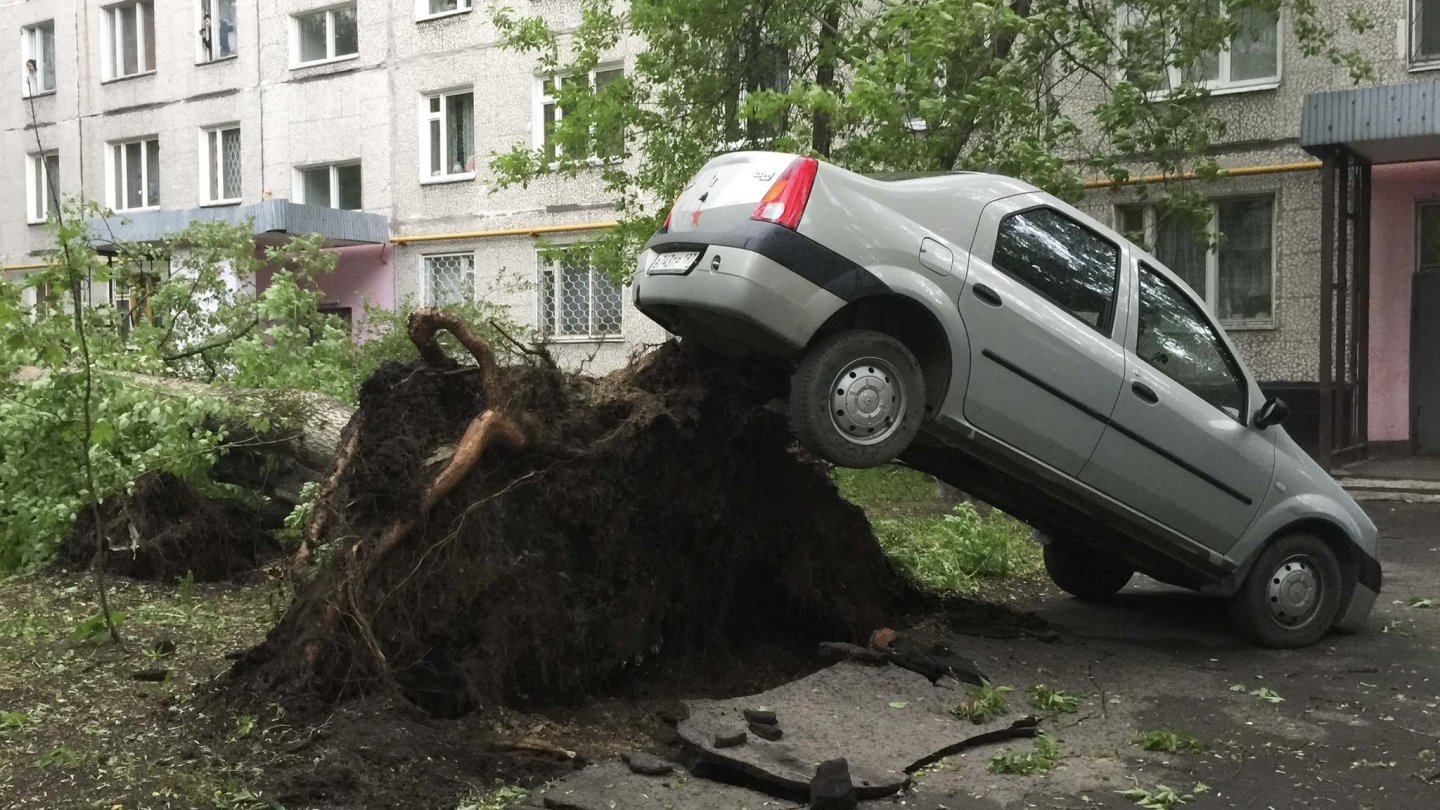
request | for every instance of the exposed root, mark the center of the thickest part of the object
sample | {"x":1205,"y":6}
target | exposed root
{"x":423,"y":326}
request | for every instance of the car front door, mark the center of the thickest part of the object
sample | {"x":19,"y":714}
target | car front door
{"x":1039,"y":305}
{"x":1179,"y":447}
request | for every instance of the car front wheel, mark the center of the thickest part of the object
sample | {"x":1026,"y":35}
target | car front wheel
{"x":857,"y":398}
{"x":1292,"y":594}
{"x":1084,"y":571}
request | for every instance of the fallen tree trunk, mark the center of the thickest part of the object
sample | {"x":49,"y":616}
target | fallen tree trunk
{"x":304,"y":425}
{"x":521,"y":535}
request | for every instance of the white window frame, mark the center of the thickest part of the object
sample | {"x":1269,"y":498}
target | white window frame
{"x":215,"y":162}
{"x":37,"y":205}
{"x":423,"y":12}
{"x":1222,"y":85}
{"x":591,"y":336}
{"x":543,"y":97}
{"x":427,"y":177}
{"x":112,"y":49}
{"x":426,"y":287}
{"x":115,"y":151}
{"x":330,"y":55}
{"x":208,"y":7}
{"x":1211,"y":294}
{"x":298,"y":183}
{"x":30,"y":49}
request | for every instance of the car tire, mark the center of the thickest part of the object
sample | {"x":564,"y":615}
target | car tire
{"x":857,"y":398}
{"x":1084,"y":571}
{"x":1291,"y":596}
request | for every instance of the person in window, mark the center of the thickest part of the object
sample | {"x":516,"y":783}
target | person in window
{"x":205,"y":40}
{"x":32,"y":75}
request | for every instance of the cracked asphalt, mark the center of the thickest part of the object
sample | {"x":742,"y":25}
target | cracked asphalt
{"x":1353,"y":722}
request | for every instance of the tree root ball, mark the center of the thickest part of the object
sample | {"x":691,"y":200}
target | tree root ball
{"x":164,"y":530}
{"x":660,"y":511}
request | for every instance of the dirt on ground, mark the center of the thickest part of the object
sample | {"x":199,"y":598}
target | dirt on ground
{"x":164,"y":530}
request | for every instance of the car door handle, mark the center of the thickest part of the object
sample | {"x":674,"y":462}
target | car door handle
{"x":986,"y":295}
{"x":1143,"y":391}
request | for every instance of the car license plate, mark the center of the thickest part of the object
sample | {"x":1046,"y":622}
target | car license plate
{"x":677,"y":262}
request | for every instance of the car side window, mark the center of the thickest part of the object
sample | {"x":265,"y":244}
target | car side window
{"x":1179,"y":342}
{"x":1073,"y":266}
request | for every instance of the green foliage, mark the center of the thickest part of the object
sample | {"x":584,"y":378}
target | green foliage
{"x":185,"y":320}
{"x":60,"y":756}
{"x":1162,"y":797}
{"x":986,"y":703}
{"x":1170,"y":741}
{"x":242,"y":799}
{"x":1265,"y":693}
{"x":11,"y":721}
{"x":493,"y":799}
{"x":1045,"y":90}
{"x":886,"y":490}
{"x":1421,"y":602}
{"x":95,"y":628}
{"x":1053,"y":701}
{"x":951,"y":552}
{"x":1039,"y":760}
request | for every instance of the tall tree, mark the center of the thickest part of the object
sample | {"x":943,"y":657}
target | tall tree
{"x":1052,"y":91}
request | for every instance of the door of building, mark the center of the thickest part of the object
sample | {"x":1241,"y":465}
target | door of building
{"x":1425,"y":331}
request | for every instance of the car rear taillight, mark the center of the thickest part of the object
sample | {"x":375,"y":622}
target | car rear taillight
{"x":785,"y":202}
{"x":666,"y":227}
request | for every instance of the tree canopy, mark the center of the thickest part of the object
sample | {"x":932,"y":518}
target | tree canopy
{"x":1051,"y":91}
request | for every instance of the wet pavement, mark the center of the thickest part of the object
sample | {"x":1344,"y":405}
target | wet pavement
{"x":1350,"y":723}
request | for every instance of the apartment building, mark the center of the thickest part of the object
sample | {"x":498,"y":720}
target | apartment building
{"x":368,"y":122}
{"x":1326,"y":275}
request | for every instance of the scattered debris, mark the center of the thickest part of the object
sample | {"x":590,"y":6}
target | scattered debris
{"x":647,"y":764}
{"x":766,"y":732}
{"x":762,"y":716}
{"x":831,"y":789}
{"x":730,"y":738}
{"x":150,"y":675}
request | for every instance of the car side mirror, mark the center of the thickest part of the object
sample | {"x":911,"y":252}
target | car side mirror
{"x":1273,"y":412}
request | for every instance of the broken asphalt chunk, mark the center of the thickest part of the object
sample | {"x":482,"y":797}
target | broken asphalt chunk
{"x":831,"y":789}
{"x":766,"y":731}
{"x":762,"y":716}
{"x":647,"y":764}
{"x":730,"y":737}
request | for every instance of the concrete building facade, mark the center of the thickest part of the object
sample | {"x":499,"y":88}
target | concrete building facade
{"x":172,"y":110}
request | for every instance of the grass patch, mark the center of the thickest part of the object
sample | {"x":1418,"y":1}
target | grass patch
{"x":1169,"y":741}
{"x":889,"y":491}
{"x":986,"y":703}
{"x":951,"y":552}
{"x":1053,"y":701}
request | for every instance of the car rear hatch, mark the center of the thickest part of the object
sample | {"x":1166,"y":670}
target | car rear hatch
{"x":728,"y":191}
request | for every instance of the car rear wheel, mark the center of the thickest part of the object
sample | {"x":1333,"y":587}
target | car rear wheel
{"x":857,"y":398}
{"x":1084,"y":571}
{"x":1292,"y":594}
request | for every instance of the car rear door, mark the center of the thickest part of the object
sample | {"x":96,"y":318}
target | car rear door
{"x":1179,"y":447}
{"x":1040,"y":307}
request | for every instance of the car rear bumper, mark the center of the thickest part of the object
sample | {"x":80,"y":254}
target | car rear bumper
{"x":735,"y":300}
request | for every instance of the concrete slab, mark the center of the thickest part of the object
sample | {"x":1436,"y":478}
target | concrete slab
{"x":1421,"y":468}
{"x":880,"y":719}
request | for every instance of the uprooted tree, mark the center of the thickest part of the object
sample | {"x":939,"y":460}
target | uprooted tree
{"x":174,"y":364}
{"x":513,"y":533}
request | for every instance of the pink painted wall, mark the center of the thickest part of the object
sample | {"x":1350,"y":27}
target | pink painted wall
{"x":363,"y":273}
{"x":1395,"y":190}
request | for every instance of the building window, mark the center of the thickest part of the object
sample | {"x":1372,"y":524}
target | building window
{"x":334,"y":186}
{"x":1252,"y":59}
{"x":130,"y":39}
{"x":1427,"y":229}
{"x":42,"y":183}
{"x":449,"y":279}
{"x":1235,"y":279}
{"x":602,"y":143}
{"x":449,"y":130}
{"x":439,"y":8}
{"x":1424,"y":31}
{"x":218,"y":37}
{"x":577,"y":301}
{"x":133,"y":174}
{"x":221,"y":173}
{"x":321,"y":36}
{"x":37,"y":49}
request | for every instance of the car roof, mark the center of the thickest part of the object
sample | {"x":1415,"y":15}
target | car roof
{"x":970,"y":183}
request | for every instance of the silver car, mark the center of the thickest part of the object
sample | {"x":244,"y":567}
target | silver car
{"x":983,"y":331}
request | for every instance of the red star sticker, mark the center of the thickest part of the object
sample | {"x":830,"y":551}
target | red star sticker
{"x":695,"y":218}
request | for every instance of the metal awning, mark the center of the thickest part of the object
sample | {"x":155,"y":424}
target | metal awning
{"x":1387,"y":124}
{"x":272,"y":221}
